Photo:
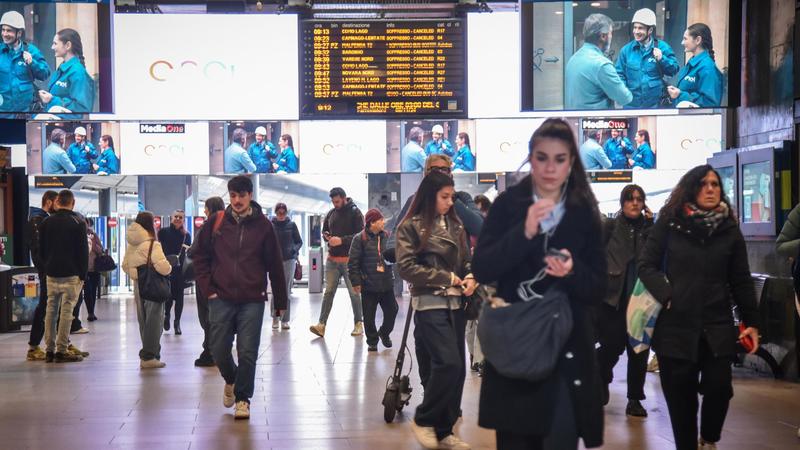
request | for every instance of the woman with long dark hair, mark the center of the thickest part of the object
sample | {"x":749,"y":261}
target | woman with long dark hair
{"x":699,"y":81}
{"x":551,"y":210}
{"x":695,"y":263}
{"x":287,"y":160}
{"x":71,"y":87}
{"x":433,"y":256}
{"x":643,"y":157}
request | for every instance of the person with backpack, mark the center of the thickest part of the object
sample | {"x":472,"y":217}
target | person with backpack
{"x":291,"y":243}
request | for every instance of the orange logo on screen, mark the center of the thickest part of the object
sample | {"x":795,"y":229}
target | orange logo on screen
{"x":163,"y":70}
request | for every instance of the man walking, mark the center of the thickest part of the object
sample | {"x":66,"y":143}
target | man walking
{"x":175,"y":240}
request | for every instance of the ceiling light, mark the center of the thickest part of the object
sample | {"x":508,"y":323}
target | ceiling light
{"x":595,"y":4}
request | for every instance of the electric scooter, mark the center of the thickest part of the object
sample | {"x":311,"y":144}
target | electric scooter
{"x":398,"y":386}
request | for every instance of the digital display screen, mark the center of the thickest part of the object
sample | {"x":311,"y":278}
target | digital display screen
{"x":757,"y":192}
{"x":728,"y":175}
{"x":383,"y":69}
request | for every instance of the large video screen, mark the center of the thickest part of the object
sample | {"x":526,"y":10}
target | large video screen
{"x":159,"y":148}
{"x":612,"y":54}
{"x":242,"y":67}
{"x":73,"y":147}
{"x":757,"y":192}
{"x":55,"y":59}
{"x":383,"y":68}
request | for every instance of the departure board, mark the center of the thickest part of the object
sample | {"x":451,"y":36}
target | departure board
{"x":403,"y":68}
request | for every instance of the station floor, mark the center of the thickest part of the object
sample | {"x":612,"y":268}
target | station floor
{"x":310,"y":394}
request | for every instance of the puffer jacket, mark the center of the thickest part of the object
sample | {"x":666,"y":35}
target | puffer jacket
{"x":624,"y":243}
{"x":136,"y":253}
{"x":362,"y":267}
{"x":429,"y":270}
{"x":788,"y":242}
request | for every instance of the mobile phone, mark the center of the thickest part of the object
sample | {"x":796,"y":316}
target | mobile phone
{"x":556,"y":253}
{"x":746,"y":341}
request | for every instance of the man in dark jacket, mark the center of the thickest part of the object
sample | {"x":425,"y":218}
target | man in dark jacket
{"x":291,"y":243}
{"x":64,"y":253}
{"x":342,"y":223}
{"x":231,"y":266}
{"x":32,"y":236}
{"x":371,"y":278}
{"x":175,"y":240}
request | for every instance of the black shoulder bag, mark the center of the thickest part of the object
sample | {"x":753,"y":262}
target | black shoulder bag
{"x":153,"y":286}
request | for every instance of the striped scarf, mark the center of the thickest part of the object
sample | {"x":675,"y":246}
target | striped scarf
{"x":707,"y":220}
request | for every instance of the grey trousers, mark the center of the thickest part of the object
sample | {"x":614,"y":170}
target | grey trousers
{"x":151,"y":320}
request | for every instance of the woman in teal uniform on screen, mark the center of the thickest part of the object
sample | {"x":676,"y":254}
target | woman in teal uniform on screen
{"x":699,"y":81}
{"x":71,"y":87}
{"x":287,"y":160}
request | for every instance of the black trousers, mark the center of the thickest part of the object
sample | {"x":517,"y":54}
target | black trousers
{"x":177,"y":287}
{"x":612,"y":334}
{"x":682,"y":381}
{"x":439,"y":339}
{"x":202,"y":314}
{"x":90,"y":291}
{"x":76,"y":313}
{"x":389,"y":306}
{"x":37,"y":327}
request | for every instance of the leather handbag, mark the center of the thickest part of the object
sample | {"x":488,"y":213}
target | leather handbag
{"x":525,"y":339}
{"x":153,"y":286}
{"x":104,"y":263}
{"x":298,"y":270}
{"x":472,"y":304}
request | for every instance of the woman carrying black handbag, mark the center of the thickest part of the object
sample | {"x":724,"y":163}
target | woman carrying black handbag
{"x":541,"y":243}
{"x":143,"y":257}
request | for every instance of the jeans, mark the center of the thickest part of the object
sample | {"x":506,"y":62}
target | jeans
{"x":246,"y":319}
{"x":90,"y":291}
{"x":334,"y":271}
{"x":612,"y":333}
{"x":151,"y":318}
{"x":439,"y":337}
{"x":473,"y":344}
{"x":288,"y":270}
{"x":202,"y":315}
{"x":37,"y":326}
{"x":177,"y":286}
{"x":388,"y":306}
{"x":62,"y":293}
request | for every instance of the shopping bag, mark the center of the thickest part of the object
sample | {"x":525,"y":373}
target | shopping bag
{"x":641,"y":316}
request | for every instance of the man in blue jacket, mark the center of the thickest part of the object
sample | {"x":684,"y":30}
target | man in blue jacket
{"x":618,"y":149}
{"x":82,"y":152}
{"x":592,"y":154}
{"x":592,"y":81}
{"x":236,"y":158}
{"x":439,"y":144}
{"x":413,"y":155}
{"x":54,"y":157}
{"x":262,"y":151}
{"x":21,"y":64}
{"x":645,"y":61}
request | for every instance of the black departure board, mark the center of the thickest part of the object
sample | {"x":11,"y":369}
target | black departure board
{"x":403,"y":68}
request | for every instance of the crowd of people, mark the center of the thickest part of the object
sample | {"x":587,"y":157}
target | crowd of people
{"x":81,"y":156}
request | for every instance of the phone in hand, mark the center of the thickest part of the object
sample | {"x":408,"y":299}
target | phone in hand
{"x":746,"y":341}
{"x":558,"y":254}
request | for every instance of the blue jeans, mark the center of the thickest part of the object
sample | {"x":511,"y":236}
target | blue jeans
{"x":333,"y":273}
{"x":244,"y":320}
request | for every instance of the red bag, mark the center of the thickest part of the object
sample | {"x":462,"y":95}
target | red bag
{"x":298,"y":270}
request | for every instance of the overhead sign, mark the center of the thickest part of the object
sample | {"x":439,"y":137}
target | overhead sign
{"x":54,"y":182}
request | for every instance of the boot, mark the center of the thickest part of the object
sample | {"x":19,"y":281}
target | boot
{"x":178,"y":328}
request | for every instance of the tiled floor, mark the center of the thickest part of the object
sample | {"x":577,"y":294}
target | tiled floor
{"x":310,"y":393}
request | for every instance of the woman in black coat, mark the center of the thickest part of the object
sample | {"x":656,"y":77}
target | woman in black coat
{"x":553,"y":208}
{"x":695,"y":263}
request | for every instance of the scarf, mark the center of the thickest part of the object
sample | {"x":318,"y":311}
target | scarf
{"x":707,"y":220}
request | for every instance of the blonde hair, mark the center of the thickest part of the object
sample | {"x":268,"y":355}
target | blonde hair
{"x":436,"y":157}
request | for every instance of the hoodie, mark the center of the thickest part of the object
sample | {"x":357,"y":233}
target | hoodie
{"x":136,"y":253}
{"x":345,"y":223}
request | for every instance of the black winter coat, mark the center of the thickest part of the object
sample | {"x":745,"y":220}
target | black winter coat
{"x":32,"y":235}
{"x":172,"y":241}
{"x":362,"y":267}
{"x":624,"y":243}
{"x":288,"y":238}
{"x":505,"y":256}
{"x":63,"y":250}
{"x":345,"y":223}
{"x":704,"y":274}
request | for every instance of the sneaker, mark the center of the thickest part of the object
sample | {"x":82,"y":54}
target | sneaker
{"x":205,"y":360}
{"x":358,"y":330}
{"x":318,"y":329}
{"x":227,"y":396}
{"x":242,"y":410}
{"x":386,"y":341}
{"x":652,"y":366}
{"x":635,"y":409}
{"x":452,"y":442}
{"x":81,"y":330}
{"x":372,"y":348}
{"x":426,"y":436}
{"x":49,"y":357}
{"x":285,"y":326}
{"x":36,"y":354}
{"x":76,"y":351}
{"x":703,"y":445}
{"x":151,"y":364}
{"x":276,"y":322}
{"x":67,"y":357}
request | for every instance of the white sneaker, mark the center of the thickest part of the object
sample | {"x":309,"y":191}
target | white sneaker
{"x":242,"y":410}
{"x":426,"y":436}
{"x":228,"y":398}
{"x":83,"y":330}
{"x":318,"y":329}
{"x":358,"y":330}
{"x":452,"y":442}
{"x":151,"y":364}
{"x":275,"y":322}
{"x":285,"y":326}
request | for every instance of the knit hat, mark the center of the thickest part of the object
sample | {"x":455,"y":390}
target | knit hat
{"x":373,"y":215}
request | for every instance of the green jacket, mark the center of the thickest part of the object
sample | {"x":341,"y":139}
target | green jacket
{"x":788,"y":242}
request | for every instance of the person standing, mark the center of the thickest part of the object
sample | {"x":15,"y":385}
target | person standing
{"x":71,"y":87}
{"x":592,"y":154}
{"x":65,"y":255}
{"x":261,"y":150}
{"x":464,"y":159}
{"x":413,"y":155}
{"x":694,"y":263}
{"x":93,"y":276}
{"x":232,"y":271}
{"x":643,"y":157}
{"x":287,"y":160}
{"x":624,"y":236}
{"x":341,"y":224}
{"x":645,"y":61}
{"x":553,"y":209}
{"x":591,"y":80}
{"x":618,"y":149}
{"x":237,"y":159}
{"x":788,"y":247}
{"x":175,"y":241}
{"x":438,"y":144}
{"x":55,"y":160}
{"x":699,"y":81}
{"x":108,"y":162}
{"x":372,"y":279}
{"x":143,"y":248}
{"x":434,"y":258}
{"x":82,"y":152}
{"x":33,"y":237}
{"x":291,"y":243}
{"x":21,"y":64}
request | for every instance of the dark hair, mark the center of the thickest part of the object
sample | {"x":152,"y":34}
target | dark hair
{"x":145,"y":220}
{"x":57,"y":136}
{"x":578,"y":194}
{"x":627,"y":194}
{"x":239,"y":135}
{"x":483,"y":202}
{"x":89,"y":222}
{"x":69,"y":35}
{"x":65,"y":197}
{"x":702,"y":31}
{"x":337,"y":192}
{"x":279,"y":206}
{"x":687,"y":189}
{"x":49,"y":196}
{"x":288,"y":140}
{"x":215,"y":204}
{"x":424,"y":203}
{"x":240,"y":183}
{"x":108,"y":139}
{"x":415,"y":134}
{"x":645,"y":134}
{"x":465,"y":137}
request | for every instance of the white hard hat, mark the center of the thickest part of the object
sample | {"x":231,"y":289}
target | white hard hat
{"x":645,"y":16}
{"x":80,"y":131}
{"x":687,"y":104}
{"x":13,"y":19}
{"x":437,"y":129}
{"x":261,"y":130}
